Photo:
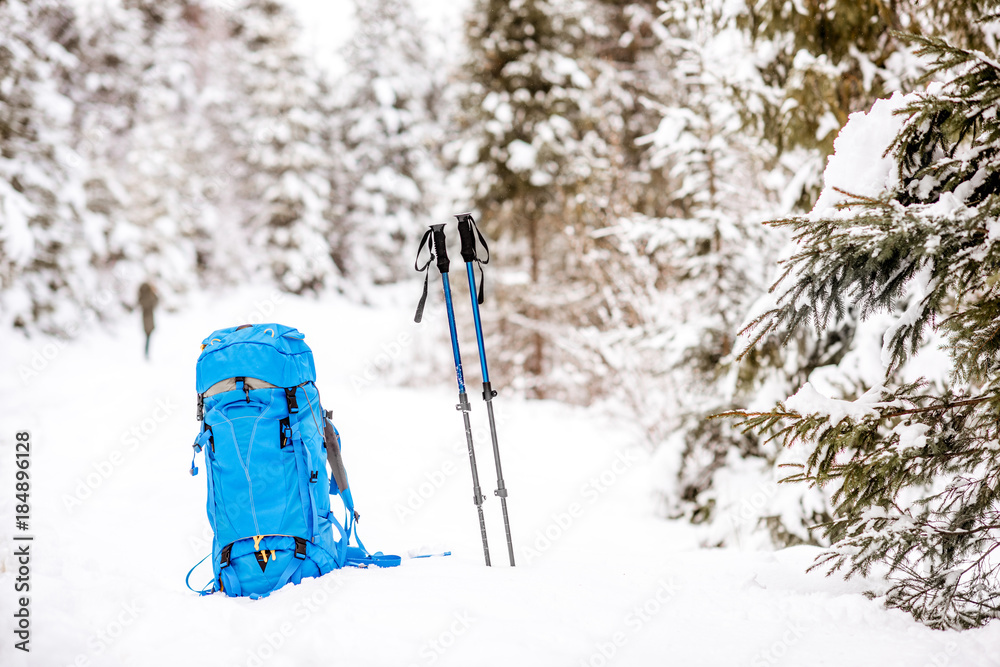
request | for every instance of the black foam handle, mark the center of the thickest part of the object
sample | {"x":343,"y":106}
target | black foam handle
{"x":440,"y":248}
{"x":468,"y":236}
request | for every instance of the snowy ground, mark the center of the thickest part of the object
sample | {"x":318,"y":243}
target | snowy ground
{"x":600,"y":580}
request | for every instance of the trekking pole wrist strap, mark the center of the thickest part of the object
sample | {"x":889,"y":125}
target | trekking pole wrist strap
{"x":434,"y":239}
{"x":467,"y":232}
{"x":425,"y":241}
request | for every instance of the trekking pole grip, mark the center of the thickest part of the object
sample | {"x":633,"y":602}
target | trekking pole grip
{"x":440,"y":248}
{"x":468,"y":237}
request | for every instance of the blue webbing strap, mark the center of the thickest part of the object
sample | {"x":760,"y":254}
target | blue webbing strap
{"x":230,"y":582}
{"x":346,"y":554}
{"x":355,"y":556}
{"x":209,"y":588}
{"x":302,"y":452}
{"x":293,"y":566}
{"x":343,"y":543}
{"x":199,"y":442}
{"x":359,"y":557}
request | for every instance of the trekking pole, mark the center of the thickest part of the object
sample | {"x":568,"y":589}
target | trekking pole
{"x":434,"y":237}
{"x":466,"y":225}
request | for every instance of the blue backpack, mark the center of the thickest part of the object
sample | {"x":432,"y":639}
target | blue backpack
{"x":267,"y":441}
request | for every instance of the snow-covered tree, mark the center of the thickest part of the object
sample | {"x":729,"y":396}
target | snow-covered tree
{"x":634,"y":76}
{"x":177,"y":141}
{"x":387,"y":111}
{"x":147,"y":98}
{"x":817,"y":62}
{"x":51,"y":247}
{"x":105,"y":87}
{"x":670,"y":289}
{"x":162,"y":158}
{"x":807,"y":66}
{"x":905,"y":229}
{"x":530,"y":149}
{"x":277,"y":124}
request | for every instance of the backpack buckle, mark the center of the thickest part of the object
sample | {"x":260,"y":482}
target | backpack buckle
{"x":246,"y":389}
{"x":286,"y":433}
{"x":293,"y":405}
{"x":300,"y":548}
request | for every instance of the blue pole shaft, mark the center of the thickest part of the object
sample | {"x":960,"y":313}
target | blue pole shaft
{"x":479,"y":324}
{"x":464,"y":407}
{"x":488,"y":394}
{"x":454,"y":335}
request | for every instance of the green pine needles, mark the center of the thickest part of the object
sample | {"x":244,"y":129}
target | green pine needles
{"x":913,"y":465}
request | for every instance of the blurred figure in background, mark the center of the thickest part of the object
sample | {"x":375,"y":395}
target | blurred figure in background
{"x":147,"y":301}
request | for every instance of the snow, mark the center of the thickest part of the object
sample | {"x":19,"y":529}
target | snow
{"x":808,"y":401}
{"x":992,"y":230}
{"x":859,"y":165}
{"x":949,"y":205}
{"x":600,"y":578}
{"x":328,"y":25}
{"x":523,"y":156}
{"x":911,"y":436}
{"x":17,"y":240}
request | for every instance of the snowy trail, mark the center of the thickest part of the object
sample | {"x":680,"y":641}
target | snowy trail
{"x":600,"y":580}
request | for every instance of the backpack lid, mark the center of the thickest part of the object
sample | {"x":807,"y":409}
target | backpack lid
{"x":270,"y":352}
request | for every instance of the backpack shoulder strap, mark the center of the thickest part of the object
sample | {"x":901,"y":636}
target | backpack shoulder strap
{"x":357,"y":556}
{"x":333,"y":455}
